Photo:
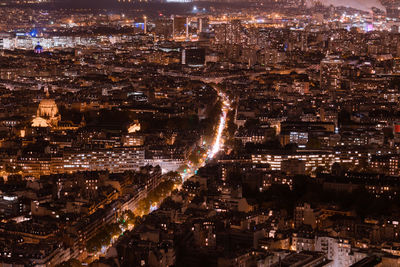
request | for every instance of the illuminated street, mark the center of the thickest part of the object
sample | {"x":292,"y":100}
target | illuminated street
{"x":218,"y":143}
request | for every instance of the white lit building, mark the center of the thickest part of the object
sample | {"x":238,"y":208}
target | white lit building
{"x":338,"y":250}
{"x":115,"y":160}
{"x":313,"y":159}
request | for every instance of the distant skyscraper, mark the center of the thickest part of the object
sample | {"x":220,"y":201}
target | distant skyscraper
{"x":228,"y":33}
{"x":164,"y":27}
{"x":179,"y":27}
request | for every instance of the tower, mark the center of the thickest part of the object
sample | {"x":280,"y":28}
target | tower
{"x":145,"y":24}
{"x":200,"y":25}
{"x":330,"y":74}
{"x":187,"y":28}
{"x":180,"y":28}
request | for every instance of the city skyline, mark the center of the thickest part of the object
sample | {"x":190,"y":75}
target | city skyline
{"x":219,"y":133}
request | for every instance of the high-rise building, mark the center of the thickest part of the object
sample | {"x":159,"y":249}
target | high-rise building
{"x":228,"y":33}
{"x":330,"y":74}
{"x":10,"y":205}
{"x":180,"y":27}
{"x":194,"y":57}
{"x":164,"y":27}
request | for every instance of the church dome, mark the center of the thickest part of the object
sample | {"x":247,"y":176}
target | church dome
{"x":38,"y":49}
{"x":47,"y":108}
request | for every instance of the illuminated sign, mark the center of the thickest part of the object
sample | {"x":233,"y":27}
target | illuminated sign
{"x":7,"y":198}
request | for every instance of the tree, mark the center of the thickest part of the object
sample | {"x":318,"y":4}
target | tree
{"x":143,"y":207}
{"x":174,"y":176}
{"x":114,"y":229}
{"x":197,"y":155}
{"x":194,"y":158}
{"x":102,"y":237}
{"x":231,"y":127}
{"x":70,"y":263}
{"x":182,"y":168}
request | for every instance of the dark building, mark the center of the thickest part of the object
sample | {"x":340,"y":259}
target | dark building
{"x":10,"y":205}
{"x":194,"y":57}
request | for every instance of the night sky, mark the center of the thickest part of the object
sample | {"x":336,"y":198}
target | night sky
{"x":358,"y":4}
{"x":365,"y":5}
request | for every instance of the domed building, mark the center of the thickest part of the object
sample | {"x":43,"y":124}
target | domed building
{"x":38,"y":49}
{"x":47,"y":108}
{"x":47,"y":114}
{"x":40,"y":122}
